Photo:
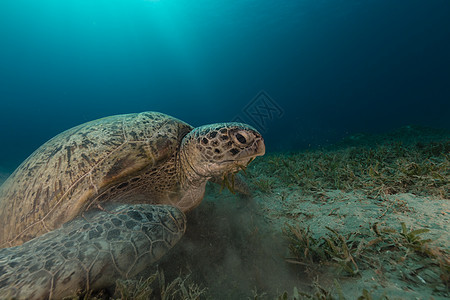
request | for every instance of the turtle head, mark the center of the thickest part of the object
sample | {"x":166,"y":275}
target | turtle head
{"x":220,"y":149}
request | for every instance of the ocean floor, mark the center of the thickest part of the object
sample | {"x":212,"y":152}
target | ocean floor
{"x":368,"y":218}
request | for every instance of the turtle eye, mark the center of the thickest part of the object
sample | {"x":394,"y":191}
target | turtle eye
{"x":242,"y":138}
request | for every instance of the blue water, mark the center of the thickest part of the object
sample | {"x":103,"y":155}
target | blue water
{"x":329,"y":68}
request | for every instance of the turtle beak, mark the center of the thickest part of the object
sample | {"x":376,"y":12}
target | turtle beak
{"x":260,"y":147}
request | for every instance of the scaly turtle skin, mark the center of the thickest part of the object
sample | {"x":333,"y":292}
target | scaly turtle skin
{"x":94,"y":175}
{"x":90,"y":253}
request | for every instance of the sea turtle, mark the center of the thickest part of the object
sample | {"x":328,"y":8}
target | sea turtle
{"x":106,"y":199}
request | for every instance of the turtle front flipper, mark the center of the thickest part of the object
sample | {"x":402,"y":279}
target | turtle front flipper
{"x":90,"y":252}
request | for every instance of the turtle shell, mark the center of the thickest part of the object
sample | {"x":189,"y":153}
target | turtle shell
{"x":65,"y":175}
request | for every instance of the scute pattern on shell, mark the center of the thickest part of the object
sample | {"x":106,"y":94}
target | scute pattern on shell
{"x":59,"y":179}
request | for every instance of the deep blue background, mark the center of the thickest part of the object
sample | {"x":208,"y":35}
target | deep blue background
{"x":335,"y":67}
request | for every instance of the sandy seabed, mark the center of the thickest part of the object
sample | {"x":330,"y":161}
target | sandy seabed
{"x":237,"y":249}
{"x":366,"y":219}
